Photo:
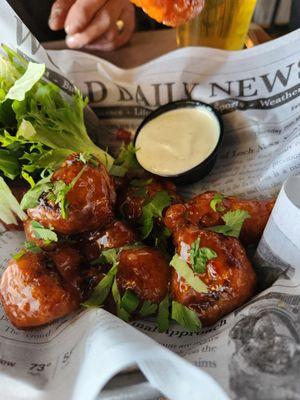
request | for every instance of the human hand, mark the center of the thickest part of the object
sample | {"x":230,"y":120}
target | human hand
{"x":96,"y":24}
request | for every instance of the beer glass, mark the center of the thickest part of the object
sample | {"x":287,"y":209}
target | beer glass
{"x":223,"y":24}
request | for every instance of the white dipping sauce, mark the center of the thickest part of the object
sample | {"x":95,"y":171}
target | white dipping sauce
{"x":177,"y":140}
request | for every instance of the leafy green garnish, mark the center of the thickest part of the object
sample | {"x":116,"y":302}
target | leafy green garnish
{"x":129,"y":301}
{"x":199,"y":256}
{"x":9,"y":206}
{"x":107,"y":257}
{"x":102,"y":290}
{"x":88,"y":158}
{"x":184,"y":271}
{"x":185,"y":317}
{"x":33,"y":111}
{"x":126,"y":161}
{"x":59,"y":192}
{"x":40,"y":232}
{"x":140,"y":182}
{"x":234,"y":221}
{"x":148,"y":308}
{"x":110,"y":256}
{"x":28,"y":246}
{"x":121,"y":312}
{"x":152,"y":210}
{"x":216,"y":203}
{"x":140,"y":187}
{"x":31,"y":197}
{"x":21,"y":86}
{"x":56,"y":192}
{"x":20,"y":157}
{"x":9,"y":165}
{"x":163,"y":314}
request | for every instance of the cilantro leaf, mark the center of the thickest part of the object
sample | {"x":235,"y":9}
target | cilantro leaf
{"x":107,"y":257}
{"x":31,"y":197}
{"x":59,"y":192}
{"x":28,"y":246}
{"x":140,"y":187}
{"x":185,"y":317}
{"x":129,"y":301}
{"x":148,"y":308}
{"x":234,"y":221}
{"x":199,"y":256}
{"x":110,"y":256}
{"x":140,"y":182}
{"x":31,"y":246}
{"x":102,"y":290}
{"x":121,"y":312}
{"x":163,"y":314}
{"x":152,"y":210}
{"x":126,"y":161}
{"x":184,"y":271}
{"x":216,"y":202}
{"x":40,"y":232}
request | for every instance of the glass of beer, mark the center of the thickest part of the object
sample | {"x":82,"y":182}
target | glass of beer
{"x":223,"y":24}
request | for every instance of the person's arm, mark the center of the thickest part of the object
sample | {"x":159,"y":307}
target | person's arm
{"x":99,"y":24}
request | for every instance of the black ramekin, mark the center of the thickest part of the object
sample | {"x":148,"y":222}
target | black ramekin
{"x":204,"y":167}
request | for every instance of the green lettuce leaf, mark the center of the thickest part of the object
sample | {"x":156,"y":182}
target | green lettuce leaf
{"x":9,"y":206}
{"x":21,"y":86}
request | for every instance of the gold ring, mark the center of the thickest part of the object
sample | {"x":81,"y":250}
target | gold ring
{"x":120,"y":25}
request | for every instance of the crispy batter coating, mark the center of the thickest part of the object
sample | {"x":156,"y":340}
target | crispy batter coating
{"x":33,"y":293}
{"x":90,"y":200}
{"x":145,"y":271}
{"x":230,"y":277}
{"x":131,"y":201}
{"x":171,"y":12}
{"x":199,"y":212}
{"x":115,"y":235}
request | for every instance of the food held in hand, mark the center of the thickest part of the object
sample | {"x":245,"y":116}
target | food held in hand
{"x":212,"y":209}
{"x":79,"y":198}
{"x":171,"y":12}
{"x":211,"y":273}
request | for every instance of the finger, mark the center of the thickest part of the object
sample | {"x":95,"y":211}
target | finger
{"x":114,"y":38}
{"x":128,"y":16}
{"x":106,"y":39}
{"x":103,"y":20}
{"x":81,"y":14}
{"x":58,"y":14}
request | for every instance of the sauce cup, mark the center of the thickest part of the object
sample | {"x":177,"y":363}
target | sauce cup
{"x":180,"y":141}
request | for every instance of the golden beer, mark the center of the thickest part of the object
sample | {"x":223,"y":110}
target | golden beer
{"x":223,"y":24}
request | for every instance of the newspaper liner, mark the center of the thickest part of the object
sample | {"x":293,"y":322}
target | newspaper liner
{"x":253,"y":353}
